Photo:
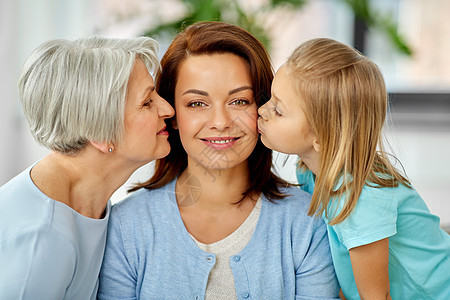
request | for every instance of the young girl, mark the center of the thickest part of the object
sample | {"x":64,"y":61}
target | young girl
{"x":384,"y":241}
{"x":214,"y":222}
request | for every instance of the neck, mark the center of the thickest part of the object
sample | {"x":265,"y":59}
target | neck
{"x":311,"y":161}
{"x":200,"y":186}
{"x":84,"y":181}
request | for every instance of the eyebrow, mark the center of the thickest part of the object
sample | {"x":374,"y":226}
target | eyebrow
{"x":203,"y":93}
{"x":147,"y":91}
{"x":195,"y":91}
{"x":237,"y":90}
{"x":277,"y":100}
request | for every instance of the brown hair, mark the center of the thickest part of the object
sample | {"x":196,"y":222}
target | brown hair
{"x":345,"y":103}
{"x":212,"y":38}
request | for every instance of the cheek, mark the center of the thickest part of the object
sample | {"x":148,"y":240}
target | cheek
{"x":146,"y":125}
{"x":249,"y":118}
{"x":136,"y":126}
{"x":186,"y":123}
{"x":281,"y":132}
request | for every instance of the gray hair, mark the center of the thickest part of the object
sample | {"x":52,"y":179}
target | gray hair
{"x":73,"y":92}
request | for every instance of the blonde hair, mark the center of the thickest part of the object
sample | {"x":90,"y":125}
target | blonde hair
{"x":75,"y":91}
{"x":345,"y":103}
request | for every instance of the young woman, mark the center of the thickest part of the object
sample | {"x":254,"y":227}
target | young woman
{"x":328,"y":106}
{"x":93,"y":103}
{"x":214,"y":222}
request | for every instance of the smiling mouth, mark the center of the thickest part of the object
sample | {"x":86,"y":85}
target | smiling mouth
{"x":221,"y":141}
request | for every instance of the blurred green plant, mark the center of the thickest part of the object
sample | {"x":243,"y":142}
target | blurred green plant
{"x":232,"y":12}
{"x":377,"y":21}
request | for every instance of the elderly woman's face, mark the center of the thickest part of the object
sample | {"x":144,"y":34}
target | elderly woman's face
{"x":215,"y":110}
{"x":145,"y":136}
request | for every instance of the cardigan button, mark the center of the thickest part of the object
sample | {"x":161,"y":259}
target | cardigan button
{"x":237,"y":258}
{"x":209,"y":258}
{"x":245,"y":295}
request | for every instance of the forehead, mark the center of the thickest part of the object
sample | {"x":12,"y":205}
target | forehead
{"x":140,"y":83}
{"x":218,"y":69}
{"x":283,"y":88}
{"x":139,"y":74}
{"x":281,"y":76}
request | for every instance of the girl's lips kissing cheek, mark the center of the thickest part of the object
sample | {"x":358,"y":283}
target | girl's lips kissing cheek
{"x":220,"y":143}
{"x":260,"y":127}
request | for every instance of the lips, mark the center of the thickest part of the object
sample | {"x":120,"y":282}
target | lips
{"x":163,"y":131}
{"x":220,"y":143}
{"x":220,"y":140}
{"x":260,"y":127}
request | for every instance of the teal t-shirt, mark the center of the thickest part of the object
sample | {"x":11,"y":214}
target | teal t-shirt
{"x":419,"y":251}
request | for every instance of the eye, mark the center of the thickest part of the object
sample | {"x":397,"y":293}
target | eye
{"x":195,"y":104}
{"x":147,"y":103}
{"x":276,"y":111}
{"x":240,"y":102}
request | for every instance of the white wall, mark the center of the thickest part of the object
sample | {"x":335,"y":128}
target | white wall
{"x":24,"y":25}
{"x":9,"y":117}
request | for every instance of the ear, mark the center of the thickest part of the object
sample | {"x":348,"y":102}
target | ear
{"x":102,"y":146}
{"x":174,"y":123}
{"x":316,"y":145}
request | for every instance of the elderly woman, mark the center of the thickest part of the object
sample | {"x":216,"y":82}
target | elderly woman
{"x":93,"y":103}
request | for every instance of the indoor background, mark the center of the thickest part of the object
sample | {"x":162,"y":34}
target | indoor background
{"x":418,"y":130}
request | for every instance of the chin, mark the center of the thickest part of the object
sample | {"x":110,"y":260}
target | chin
{"x":164,"y":154}
{"x":160,"y":153}
{"x":219,"y":163}
{"x":267,"y":143}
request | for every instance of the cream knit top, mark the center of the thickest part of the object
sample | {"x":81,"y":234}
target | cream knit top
{"x":221,"y":281}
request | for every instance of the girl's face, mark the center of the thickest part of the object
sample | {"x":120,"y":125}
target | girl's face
{"x":145,"y":137}
{"x":215,"y":110}
{"x":282,"y":122}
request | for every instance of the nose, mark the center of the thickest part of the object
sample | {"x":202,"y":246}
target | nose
{"x":165,"y":110}
{"x":220,"y":118}
{"x":262,"y":111}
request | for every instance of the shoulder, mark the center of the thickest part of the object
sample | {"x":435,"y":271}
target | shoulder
{"x":373,"y":218}
{"x":143,"y":198}
{"x":391,"y":196}
{"x":40,"y":261}
{"x":24,"y":208}
{"x":41,"y":225}
{"x":131,"y":201}
{"x":34,"y":246}
{"x":286,"y":221}
{"x":143,"y":209}
{"x":135,"y":221}
{"x":296,"y":201}
{"x":18,"y":188}
{"x":291,"y":212}
{"x":374,"y":200}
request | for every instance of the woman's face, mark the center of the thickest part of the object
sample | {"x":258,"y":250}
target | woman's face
{"x":215,"y":110}
{"x":145,"y":136}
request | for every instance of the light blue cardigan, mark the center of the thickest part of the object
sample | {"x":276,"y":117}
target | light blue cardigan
{"x":150,"y":255}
